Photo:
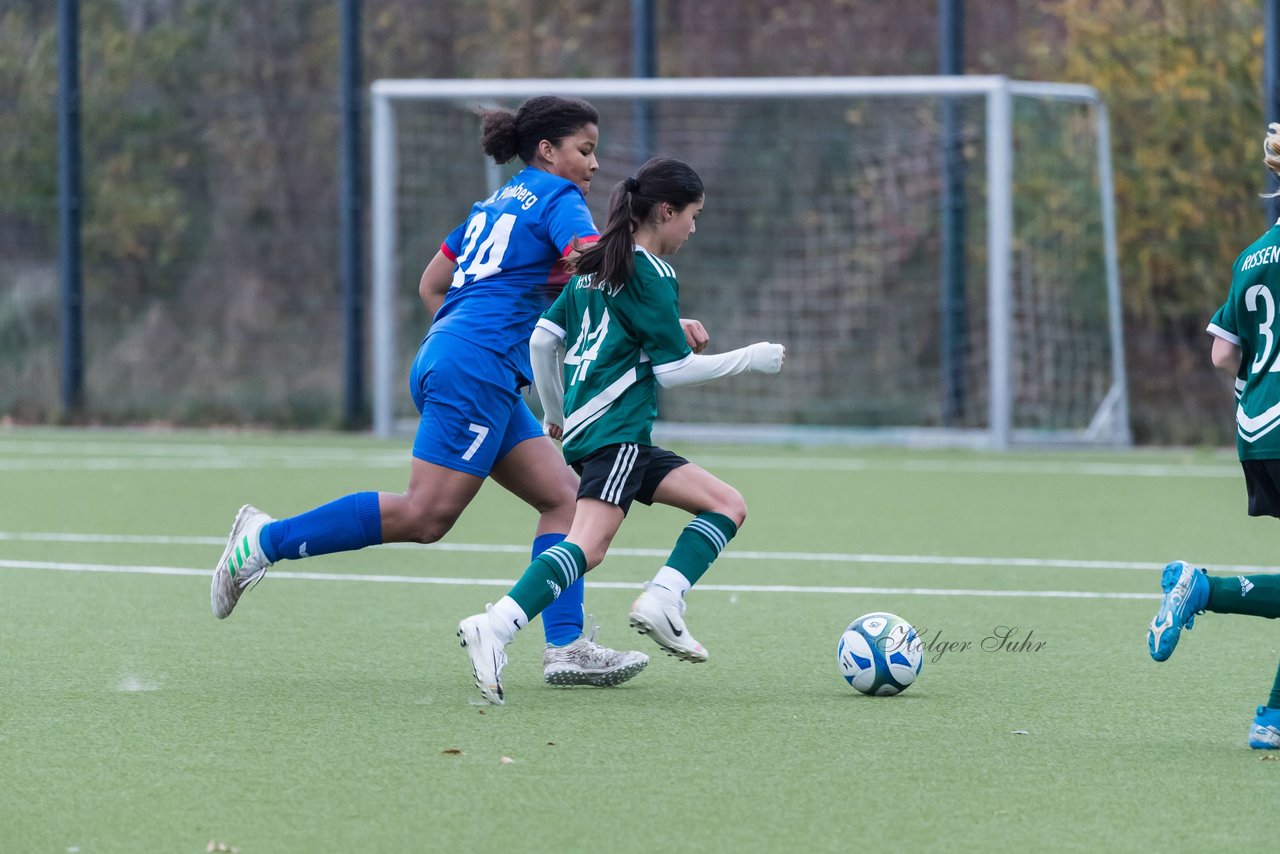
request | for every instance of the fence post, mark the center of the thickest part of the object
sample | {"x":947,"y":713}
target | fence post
{"x":952,"y":304}
{"x":69,"y":207}
{"x":351,"y":220}
{"x":644,"y":64}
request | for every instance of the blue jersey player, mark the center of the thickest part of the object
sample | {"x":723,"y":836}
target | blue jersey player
{"x":486,"y":287}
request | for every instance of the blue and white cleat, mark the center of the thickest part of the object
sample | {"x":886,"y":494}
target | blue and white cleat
{"x":1186,"y":591}
{"x":1265,"y":732}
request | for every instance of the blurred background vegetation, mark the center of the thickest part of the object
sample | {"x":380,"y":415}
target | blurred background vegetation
{"x":210,"y":144}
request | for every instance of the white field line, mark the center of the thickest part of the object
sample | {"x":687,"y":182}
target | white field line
{"x":111,"y":456}
{"x":51,"y":566}
{"x":1025,"y":467}
{"x":188,"y":449}
{"x":264,"y":463}
{"x":732,"y":554}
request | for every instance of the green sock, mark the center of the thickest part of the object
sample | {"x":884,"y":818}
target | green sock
{"x":1273,"y":702}
{"x":552,"y":571}
{"x":700,"y":543}
{"x":1254,"y":595}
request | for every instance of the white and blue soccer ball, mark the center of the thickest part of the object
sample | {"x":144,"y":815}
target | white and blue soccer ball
{"x":880,"y":654}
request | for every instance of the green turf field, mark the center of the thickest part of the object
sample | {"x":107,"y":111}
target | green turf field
{"x":334,"y":711}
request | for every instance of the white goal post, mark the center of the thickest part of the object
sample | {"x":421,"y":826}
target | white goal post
{"x":821,"y":231}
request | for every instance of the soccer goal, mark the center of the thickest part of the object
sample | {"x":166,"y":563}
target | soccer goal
{"x":937,"y":253}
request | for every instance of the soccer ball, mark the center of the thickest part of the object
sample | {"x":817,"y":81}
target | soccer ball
{"x":880,"y":654}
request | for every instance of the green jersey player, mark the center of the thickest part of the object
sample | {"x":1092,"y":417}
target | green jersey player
{"x":1246,"y":335}
{"x":598,"y":354}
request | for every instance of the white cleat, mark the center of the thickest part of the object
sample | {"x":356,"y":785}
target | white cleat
{"x":585,"y":662}
{"x":242,"y":562}
{"x":659,"y":613}
{"x":488,"y":655}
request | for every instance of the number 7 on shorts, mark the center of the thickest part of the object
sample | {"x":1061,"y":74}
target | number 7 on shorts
{"x":481,"y":432}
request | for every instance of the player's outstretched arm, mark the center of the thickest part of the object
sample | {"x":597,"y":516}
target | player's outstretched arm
{"x":762,"y":358}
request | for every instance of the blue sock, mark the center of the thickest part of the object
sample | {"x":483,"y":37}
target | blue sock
{"x":561,"y":620}
{"x":352,"y":522}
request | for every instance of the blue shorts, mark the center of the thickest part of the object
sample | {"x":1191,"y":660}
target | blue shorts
{"x":472,"y":413}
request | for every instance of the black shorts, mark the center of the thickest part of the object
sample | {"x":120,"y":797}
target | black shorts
{"x":1261,"y":478}
{"x":621,"y":473}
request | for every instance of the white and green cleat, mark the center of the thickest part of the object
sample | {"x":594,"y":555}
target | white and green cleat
{"x":242,"y":561}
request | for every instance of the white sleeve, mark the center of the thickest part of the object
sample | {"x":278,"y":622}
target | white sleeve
{"x":764,"y":358}
{"x":1218,"y":332}
{"x":546,"y":354}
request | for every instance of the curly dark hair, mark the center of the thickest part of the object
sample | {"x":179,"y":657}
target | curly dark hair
{"x":509,"y":133}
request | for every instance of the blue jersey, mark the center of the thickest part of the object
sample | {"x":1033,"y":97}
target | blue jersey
{"x":509,"y":255}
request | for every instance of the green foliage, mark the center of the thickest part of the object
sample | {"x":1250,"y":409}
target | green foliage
{"x":28,"y":132}
{"x":136,"y":146}
{"x":1181,"y":79}
{"x":138,"y":151}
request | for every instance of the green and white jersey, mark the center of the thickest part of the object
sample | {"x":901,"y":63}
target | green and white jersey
{"x":1248,"y":320}
{"x":616,"y":338}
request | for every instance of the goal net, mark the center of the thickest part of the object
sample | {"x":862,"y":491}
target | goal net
{"x":937,"y":253}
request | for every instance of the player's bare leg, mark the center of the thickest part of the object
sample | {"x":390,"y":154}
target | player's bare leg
{"x":718,"y":511}
{"x":535,"y":472}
